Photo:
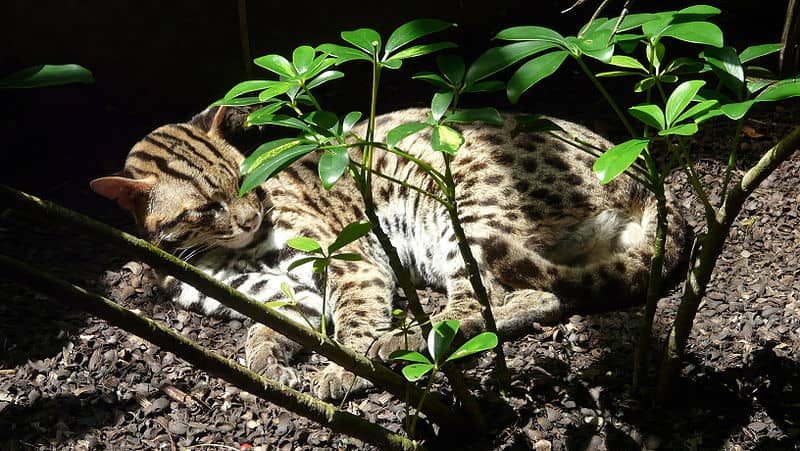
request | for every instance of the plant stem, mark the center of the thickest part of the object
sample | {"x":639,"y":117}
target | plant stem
{"x":213,"y":363}
{"x":412,"y":428}
{"x":653,"y":292}
{"x":732,"y":158}
{"x":308,"y":338}
{"x":402,"y":274}
{"x":702,"y":266}
{"x":501,"y":370}
{"x":608,"y":97}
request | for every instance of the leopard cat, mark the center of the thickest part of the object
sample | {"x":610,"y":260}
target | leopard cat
{"x":549,"y":239}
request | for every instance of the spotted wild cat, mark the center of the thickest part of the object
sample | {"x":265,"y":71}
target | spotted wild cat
{"x":548,"y":237}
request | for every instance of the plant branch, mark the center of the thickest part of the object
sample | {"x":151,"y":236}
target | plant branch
{"x":608,"y":97}
{"x":230,"y":297}
{"x":213,"y":363}
{"x":702,"y":266}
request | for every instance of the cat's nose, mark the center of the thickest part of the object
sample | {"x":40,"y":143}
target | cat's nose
{"x":251,"y":223}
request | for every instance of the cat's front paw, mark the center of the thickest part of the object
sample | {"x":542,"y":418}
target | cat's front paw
{"x":389,"y":342}
{"x":269,"y":357}
{"x":335,"y":382}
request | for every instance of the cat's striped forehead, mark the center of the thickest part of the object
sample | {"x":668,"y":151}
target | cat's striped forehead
{"x":186,"y":153}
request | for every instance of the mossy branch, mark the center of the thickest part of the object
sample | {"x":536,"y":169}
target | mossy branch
{"x":323,"y":413}
{"x":434,"y":406}
{"x":702,"y":265}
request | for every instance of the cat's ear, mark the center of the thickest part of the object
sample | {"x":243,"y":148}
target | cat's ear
{"x":126,"y":191}
{"x":212,"y":120}
{"x":216,"y":124}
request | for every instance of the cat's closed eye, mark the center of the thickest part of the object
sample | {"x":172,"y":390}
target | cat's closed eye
{"x":212,"y":207}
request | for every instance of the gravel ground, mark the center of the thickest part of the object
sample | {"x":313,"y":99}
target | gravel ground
{"x":70,"y":381}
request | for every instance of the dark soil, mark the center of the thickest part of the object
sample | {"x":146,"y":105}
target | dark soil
{"x":70,"y":381}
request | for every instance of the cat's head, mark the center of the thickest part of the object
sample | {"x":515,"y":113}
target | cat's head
{"x":181,"y":184}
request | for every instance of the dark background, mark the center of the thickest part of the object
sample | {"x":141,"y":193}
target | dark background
{"x":163,"y":61}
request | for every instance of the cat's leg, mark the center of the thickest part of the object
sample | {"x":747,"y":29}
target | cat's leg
{"x":514,"y":318}
{"x":363,"y":295}
{"x":267,"y":352}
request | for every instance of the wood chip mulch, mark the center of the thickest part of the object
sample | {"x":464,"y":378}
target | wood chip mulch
{"x":70,"y":381}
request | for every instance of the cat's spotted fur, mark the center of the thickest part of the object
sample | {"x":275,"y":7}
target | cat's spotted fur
{"x":548,"y":237}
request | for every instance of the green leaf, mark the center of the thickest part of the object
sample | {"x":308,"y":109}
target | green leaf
{"x":47,"y":75}
{"x":324,"y":120}
{"x":266,"y":151}
{"x":419,"y":50}
{"x":392,"y":64}
{"x":276,"y":89}
{"x":348,"y":256}
{"x":264,"y":115}
{"x":683,"y":130}
{"x":616,"y":73}
{"x":239,"y":101}
{"x":632,"y":21}
{"x":617,"y":159}
{"x":366,"y":39}
{"x":649,"y":114}
{"x":350,"y":233}
{"x":628,"y":42}
{"x":655,"y":54}
{"x":452,"y":67}
{"x":757,"y":51}
{"x":410,"y":356}
{"x":532,"y":72}
{"x":725,"y":64}
{"x":324,"y":78}
{"x":488,"y":115}
{"x":319,"y":265}
{"x":350,"y":120}
{"x":532,"y":33}
{"x":535,"y":123}
{"x":413,"y":30}
{"x":319,"y":64}
{"x":446,"y":139}
{"x":680,"y":98}
{"x":695,"y":32}
{"x":301,"y":262}
{"x":280,"y":120}
{"x":644,"y":84}
{"x":266,"y":164}
{"x":402,"y":131}
{"x":344,"y":54}
{"x":440,"y":103}
{"x":277,"y":304}
{"x":332,"y":165}
{"x":779,"y":91}
{"x":276,"y":64}
{"x":479,"y":343}
{"x":304,"y":244}
{"x":498,"y":58}
{"x":755,"y":85}
{"x":698,"y":11}
{"x":302,"y":58}
{"x":248,"y":86}
{"x":627,"y":62}
{"x":603,"y":55}
{"x":440,"y":338}
{"x":486,"y":86}
{"x":415,"y":371}
{"x":432,"y":78}
{"x":668,"y":78}
{"x":697,"y":110}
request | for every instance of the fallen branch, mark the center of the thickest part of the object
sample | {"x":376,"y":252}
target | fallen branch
{"x":434,"y":406}
{"x":300,"y":403}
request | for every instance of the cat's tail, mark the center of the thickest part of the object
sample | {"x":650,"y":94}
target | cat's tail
{"x":623,"y":277}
